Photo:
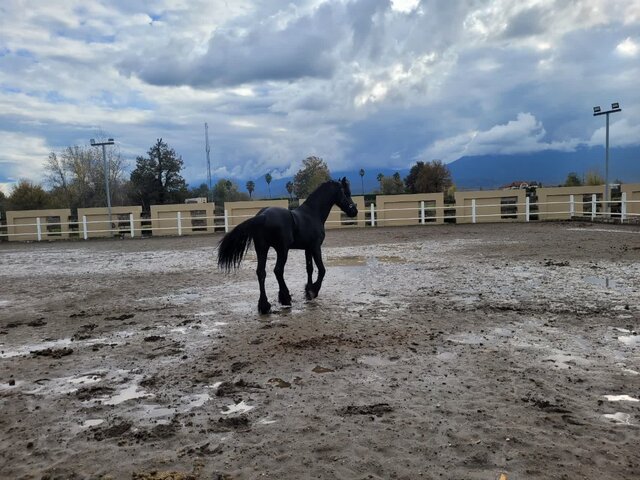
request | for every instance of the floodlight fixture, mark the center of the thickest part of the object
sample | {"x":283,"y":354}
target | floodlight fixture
{"x":615,"y":107}
{"x":109,"y":141}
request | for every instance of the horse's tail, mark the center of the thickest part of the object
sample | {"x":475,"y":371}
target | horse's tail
{"x":235,"y":244}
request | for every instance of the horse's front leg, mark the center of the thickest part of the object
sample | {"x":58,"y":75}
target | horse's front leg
{"x":284,"y":297}
{"x":309,"y":286}
{"x":264,"y":306}
{"x":315,"y":288}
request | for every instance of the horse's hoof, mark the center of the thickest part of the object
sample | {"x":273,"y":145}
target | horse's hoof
{"x":264,"y":308}
{"x":310,"y":293}
{"x":284,"y":299}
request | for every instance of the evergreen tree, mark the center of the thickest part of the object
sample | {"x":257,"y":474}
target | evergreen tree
{"x":156,"y":180}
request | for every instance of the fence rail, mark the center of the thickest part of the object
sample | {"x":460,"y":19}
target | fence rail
{"x":424,"y":214}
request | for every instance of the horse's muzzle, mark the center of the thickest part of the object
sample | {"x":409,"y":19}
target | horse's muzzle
{"x":352,"y":211}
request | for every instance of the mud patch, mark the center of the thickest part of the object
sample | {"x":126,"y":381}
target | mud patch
{"x":53,"y":352}
{"x":377,"y":409}
{"x":118,"y":429}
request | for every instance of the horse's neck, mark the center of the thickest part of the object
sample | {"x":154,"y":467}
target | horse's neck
{"x":321,"y":205}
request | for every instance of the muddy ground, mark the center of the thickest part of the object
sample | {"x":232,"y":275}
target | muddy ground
{"x":457,"y":352}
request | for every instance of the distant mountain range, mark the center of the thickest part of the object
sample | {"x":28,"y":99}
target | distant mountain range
{"x":550,"y":168}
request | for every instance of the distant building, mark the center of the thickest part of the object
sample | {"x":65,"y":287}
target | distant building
{"x":196,"y":200}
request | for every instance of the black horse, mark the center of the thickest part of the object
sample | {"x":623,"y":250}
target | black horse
{"x":283,"y":229}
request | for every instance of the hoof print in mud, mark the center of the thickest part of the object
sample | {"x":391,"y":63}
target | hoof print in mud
{"x":377,"y":409}
{"x":116,"y":430}
{"x":239,"y":424}
{"x":278,"y":382}
{"x":227,"y":389}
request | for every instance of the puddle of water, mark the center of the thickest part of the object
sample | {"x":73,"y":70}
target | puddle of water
{"x":619,"y":418}
{"x":503,"y":332}
{"x":4,"y":303}
{"x":467,"y":339}
{"x":237,"y":408}
{"x":177,"y":299}
{"x":565,"y":361}
{"x":361,"y":260}
{"x":92,"y":423}
{"x":446,"y":356}
{"x":630,"y":340}
{"x":348,"y":261}
{"x":620,"y":398}
{"x":33,"y":347}
{"x":632,"y":372}
{"x":129,"y":393}
{"x":621,"y":330}
{"x":390,"y":259}
{"x":605,"y":282}
{"x":266,"y":421}
{"x":86,"y":379}
{"x":376,"y":361}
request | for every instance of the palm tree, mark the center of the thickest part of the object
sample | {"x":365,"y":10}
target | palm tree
{"x":362,"y":179}
{"x":268,"y":178}
{"x":380,"y":177}
{"x":250,"y":187}
{"x":290,"y":189}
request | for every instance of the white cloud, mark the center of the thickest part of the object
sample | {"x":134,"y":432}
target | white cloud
{"x":628,"y":48}
{"x":22,"y":157}
{"x":622,"y":133}
{"x":404,"y":6}
{"x":524,"y":134}
{"x":361,"y":81}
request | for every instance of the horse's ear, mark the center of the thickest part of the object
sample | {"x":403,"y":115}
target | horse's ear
{"x":344,"y":181}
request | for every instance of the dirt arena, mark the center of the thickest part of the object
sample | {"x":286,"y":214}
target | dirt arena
{"x":455,"y":352}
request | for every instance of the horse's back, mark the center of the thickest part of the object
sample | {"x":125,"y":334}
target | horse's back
{"x":278,"y":227}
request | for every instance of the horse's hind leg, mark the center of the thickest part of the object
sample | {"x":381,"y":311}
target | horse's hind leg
{"x":264,"y":306}
{"x":314,"y":289}
{"x":284,"y":297}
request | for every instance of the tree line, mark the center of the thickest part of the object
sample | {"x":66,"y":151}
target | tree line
{"x":75,"y":179}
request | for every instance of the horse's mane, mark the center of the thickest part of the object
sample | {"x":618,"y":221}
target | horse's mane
{"x":322,"y":188}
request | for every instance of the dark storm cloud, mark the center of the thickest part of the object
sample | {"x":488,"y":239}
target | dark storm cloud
{"x":251,"y":51}
{"x":532,"y":21}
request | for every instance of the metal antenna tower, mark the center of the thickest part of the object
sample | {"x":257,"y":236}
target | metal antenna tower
{"x":208,"y":149}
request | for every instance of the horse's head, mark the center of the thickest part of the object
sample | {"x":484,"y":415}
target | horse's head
{"x":344,"y":200}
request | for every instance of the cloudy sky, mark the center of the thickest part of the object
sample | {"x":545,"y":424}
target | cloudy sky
{"x":360,"y":83}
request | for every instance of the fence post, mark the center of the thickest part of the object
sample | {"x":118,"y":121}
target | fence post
{"x":594,"y":205}
{"x":131,"y":226}
{"x":473,"y":210}
{"x":572,"y":207}
{"x":85,"y":233}
{"x":226,"y":221}
{"x":39,"y":228}
{"x":623,"y":207}
{"x":373,"y":215}
{"x":422,"y":213}
{"x":527,"y":209}
{"x":179,"y":216}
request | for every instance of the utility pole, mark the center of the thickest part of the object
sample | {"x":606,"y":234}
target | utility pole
{"x":615,"y":107}
{"x":208,"y":149}
{"x":106,"y":173}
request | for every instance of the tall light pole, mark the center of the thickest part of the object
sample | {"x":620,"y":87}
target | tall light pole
{"x":615,"y":107}
{"x":106,"y":173}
